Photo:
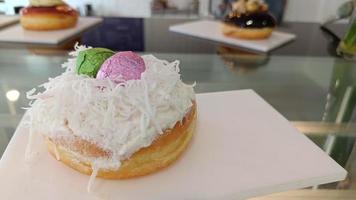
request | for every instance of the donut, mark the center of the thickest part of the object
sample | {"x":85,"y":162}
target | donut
{"x":112,"y":129}
{"x":48,"y":17}
{"x":257,"y":25}
{"x":161,"y":153}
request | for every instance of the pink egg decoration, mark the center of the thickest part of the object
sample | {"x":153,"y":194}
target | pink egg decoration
{"x":121,"y":67}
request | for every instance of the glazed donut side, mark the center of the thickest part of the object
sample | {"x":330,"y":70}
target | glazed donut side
{"x":246,"y":33}
{"x":161,"y":153}
{"x":48,"y":18}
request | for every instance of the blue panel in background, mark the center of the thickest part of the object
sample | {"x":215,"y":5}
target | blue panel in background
{"x":119,"y":34}
{"x":276,"y":7}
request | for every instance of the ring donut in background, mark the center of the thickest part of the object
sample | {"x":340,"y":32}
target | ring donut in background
{"x":45,"y":15}
{"x":115,"y":115}
{"x":249,"y":19}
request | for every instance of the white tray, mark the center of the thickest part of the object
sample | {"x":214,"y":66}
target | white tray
{"x":17,"y":34}
{"x":211,"y":30}
{"x":6,"y":20}
{"x":242,"y":148}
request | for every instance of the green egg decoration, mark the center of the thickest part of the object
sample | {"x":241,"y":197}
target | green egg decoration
{"x":90,"y":60}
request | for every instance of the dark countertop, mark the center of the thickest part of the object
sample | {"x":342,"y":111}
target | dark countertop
{"x":152,"y":35}
{"x":310,"y":41}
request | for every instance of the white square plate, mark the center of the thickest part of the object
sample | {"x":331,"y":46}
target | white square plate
{"x":242,"y":148}
{"x":19,"y":35}
{"x":211,"y":30}
{"x":6,"y":20}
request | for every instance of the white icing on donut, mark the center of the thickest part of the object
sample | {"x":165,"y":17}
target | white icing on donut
{"x":39,"y":3}
{"x":120,"y":119}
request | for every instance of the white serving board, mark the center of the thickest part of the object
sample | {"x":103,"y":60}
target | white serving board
{"x":6,"y":20}
{"x":242,"y":148}
{"x":19,"y":35}
{"x":211,"y":30}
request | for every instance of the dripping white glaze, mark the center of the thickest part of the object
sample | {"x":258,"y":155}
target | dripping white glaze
{"x":56,"y":152}
{"x":92,"y":178}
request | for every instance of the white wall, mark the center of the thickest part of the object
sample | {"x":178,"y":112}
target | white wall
{"x":297,"y":10}
{"x":10,"y":4}
{"x":303,"y":10}
{"x":127,"y":8}
{"x":311,"y":10}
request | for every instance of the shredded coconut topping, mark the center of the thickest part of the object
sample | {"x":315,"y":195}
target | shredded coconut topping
{"x":118,"y":118}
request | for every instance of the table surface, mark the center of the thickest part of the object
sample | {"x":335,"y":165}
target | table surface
{"x":6,"y":20}
{"x":302,"y":80}
{"x":152,"y":35}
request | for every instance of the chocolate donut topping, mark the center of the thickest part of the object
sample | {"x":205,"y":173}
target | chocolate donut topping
{"x":252,"y":20}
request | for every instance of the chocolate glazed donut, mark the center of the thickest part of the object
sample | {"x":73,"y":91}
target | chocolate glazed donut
{"x":258,"y":25}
